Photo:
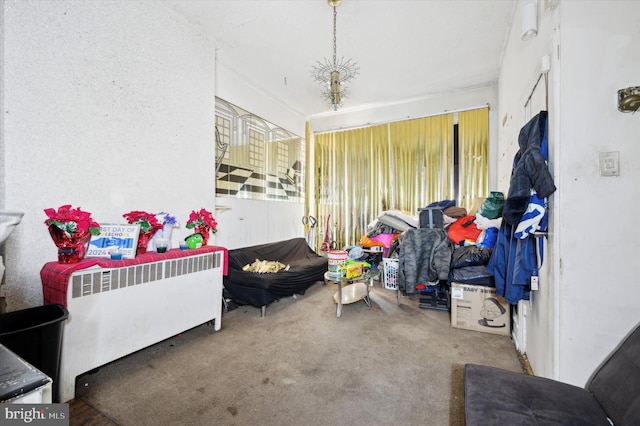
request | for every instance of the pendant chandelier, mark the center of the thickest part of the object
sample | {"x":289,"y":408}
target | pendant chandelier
{"x":333,"y":74}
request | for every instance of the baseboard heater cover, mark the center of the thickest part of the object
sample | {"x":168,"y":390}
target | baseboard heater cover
{"x":114,"y":312}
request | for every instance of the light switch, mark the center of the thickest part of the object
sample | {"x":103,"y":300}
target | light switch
{"x":610,"y":163}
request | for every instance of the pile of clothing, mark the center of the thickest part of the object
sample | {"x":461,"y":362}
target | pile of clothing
{"x":465,"y":241}
{"x":462,"y":228}
{"x":477,"y":228}
{"x":473,"y":235}
{"x":385,"y":230}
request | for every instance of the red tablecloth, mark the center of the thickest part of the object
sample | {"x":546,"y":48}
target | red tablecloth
{"x":55,"y":276}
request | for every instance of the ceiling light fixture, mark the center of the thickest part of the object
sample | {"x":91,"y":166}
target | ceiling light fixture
{"x":333,"y":74}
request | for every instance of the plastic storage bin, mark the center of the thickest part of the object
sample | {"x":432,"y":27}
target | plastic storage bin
{"x":390,"y":273}
{"x":35,"y":334}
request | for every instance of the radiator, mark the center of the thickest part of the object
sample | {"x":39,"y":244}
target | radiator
{"x":115,"y":312}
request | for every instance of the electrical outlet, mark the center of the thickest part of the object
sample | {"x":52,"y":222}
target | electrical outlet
{"x":610,"y":163}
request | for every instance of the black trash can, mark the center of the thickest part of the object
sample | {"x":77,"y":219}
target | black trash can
{"x":35,"y":334}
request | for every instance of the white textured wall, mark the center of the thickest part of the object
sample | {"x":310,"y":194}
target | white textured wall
{"x":599,"y":284}
{"x":521,"y":69}
{"x":2,"y":144}
{"x":251,"y":222}
{"x":236,"y":89}
{"x":108,"y":106}
{"x":589,"y":300}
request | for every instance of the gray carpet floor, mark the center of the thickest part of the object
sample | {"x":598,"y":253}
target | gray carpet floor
{"x":300,"y":365}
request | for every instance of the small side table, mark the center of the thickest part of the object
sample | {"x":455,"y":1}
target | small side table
{"x":356,"y":288}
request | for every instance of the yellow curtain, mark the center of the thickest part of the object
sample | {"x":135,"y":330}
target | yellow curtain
{"x":473,"y":148}
{"x":307,"y":161}
{"x":422,"y":161}
{"x":396,"y":166}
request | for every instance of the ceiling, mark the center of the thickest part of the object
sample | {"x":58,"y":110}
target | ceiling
{"x":404,"y":49}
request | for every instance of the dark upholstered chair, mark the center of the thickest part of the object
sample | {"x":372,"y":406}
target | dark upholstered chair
{"x":498,"y":397}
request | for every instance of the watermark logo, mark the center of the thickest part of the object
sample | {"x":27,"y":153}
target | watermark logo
{"x":35,"y":414}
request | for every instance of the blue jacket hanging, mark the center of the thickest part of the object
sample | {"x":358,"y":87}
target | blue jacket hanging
{"x":529,"y":170}
{"x":514,"y":260}
{"x":512,"y":264}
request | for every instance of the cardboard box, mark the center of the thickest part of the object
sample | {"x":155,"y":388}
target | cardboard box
{"x":476,"y":307}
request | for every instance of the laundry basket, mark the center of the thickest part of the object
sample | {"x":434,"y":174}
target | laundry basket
{"x":390,"y":273}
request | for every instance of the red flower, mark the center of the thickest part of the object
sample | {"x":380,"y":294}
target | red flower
{"x":71,"y":220}
{"x":147,"y":221}
{"x":202,"y":218}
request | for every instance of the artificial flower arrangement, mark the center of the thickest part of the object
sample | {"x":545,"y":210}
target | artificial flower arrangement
{"x":149,"y":225}
{"x":167,"y":219}
{"x":202,"y":222}
{"x":168,"y":223}
{"x":71,"y":229}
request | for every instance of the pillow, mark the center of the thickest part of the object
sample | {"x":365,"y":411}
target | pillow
{"x":398,"y":220}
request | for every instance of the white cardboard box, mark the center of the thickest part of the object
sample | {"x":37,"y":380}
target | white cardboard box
{"x":476,"y":307}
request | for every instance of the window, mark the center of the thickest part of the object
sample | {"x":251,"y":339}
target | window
{"x":398,"y":166}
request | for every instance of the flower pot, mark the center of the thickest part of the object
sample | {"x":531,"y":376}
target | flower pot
{"x":70,"y":255}
{"x":204,"y":231}
{"x":71,"y":249}
{"x":167,"y":230}
{"x":143,"y":241}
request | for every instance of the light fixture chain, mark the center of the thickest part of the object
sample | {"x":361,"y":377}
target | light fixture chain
{"x":333,"y":74}
{"x":335,"y":14}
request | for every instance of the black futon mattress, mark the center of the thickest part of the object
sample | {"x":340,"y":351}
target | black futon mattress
{"x":305,"y":268}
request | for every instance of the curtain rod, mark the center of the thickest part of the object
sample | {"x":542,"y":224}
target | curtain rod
{"x":454,"y":111}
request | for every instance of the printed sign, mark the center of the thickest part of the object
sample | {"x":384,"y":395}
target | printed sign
{"x":122,"y":237}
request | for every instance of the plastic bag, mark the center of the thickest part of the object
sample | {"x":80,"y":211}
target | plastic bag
{"x":470,"y":256}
